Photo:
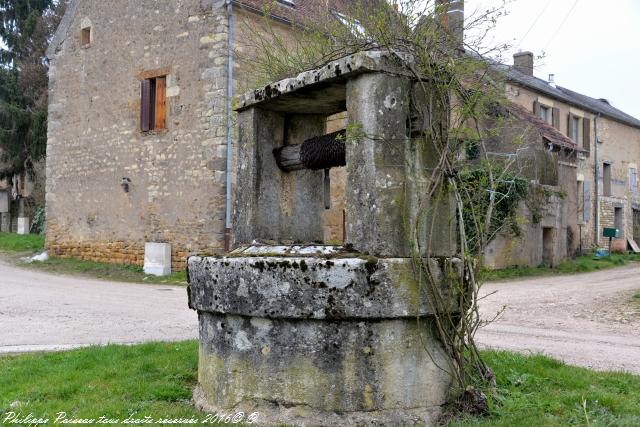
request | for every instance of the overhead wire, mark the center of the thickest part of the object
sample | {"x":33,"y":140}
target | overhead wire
{"x":535,"y":21}
{"x":566,"y":17}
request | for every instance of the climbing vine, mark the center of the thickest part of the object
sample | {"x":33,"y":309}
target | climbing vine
{"x":507,"y":194}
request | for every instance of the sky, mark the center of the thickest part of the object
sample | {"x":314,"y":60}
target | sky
{"x":592,"y":46}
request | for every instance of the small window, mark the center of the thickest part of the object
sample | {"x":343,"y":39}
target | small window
{"x":575,"y":129}
{"x":85,"y":36}
{"x":545,"y":114}
{"x":606,"y":179}
{"x":153,"y":110}
{"x":633,"y":180}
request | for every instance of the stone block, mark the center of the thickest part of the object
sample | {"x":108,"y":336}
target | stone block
{"x":274,"y":205}
{"x":23,"y":225}
{"x":157,"y":259}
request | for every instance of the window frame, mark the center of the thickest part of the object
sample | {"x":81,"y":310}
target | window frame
{"x":153,"y":103}
{"x":545,"y":114}
{"x":86,"y":36}
{"x":576,"y":123}
{"x":633,"y":180}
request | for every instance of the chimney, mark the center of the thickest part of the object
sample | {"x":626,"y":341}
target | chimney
{"x":523,"y":62}
{"x":552,"y":80}
{"x":452,"y":19}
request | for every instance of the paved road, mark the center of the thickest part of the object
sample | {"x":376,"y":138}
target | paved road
{"x":583,"y":319}
{"x":41,"y":312}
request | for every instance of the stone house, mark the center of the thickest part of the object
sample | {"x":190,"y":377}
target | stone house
{"x":546,"y":158}
{"x":140,"y":130}
{"x":609,"y":156}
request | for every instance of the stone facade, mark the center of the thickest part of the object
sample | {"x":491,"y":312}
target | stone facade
{"x":176,"y":176}
{"x":546,"y":219}
{"x":619,"y":146}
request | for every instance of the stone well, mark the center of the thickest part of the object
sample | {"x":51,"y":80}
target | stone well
{"x":310,"y":334}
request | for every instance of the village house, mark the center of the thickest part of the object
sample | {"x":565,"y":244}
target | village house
{"x":140,"y":130}
{"x":608,"y":159}
{"x":534,"y":151}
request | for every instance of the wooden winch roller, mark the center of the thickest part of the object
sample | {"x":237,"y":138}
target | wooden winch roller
{"x":317,"y":153}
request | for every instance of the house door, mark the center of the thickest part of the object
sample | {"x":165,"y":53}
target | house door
{"x":636,"y":225}
{"x":547,"y":246}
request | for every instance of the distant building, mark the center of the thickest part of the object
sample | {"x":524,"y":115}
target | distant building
{"x":606,"y":170}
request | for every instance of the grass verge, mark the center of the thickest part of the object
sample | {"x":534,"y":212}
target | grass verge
{"x":14,"y":246}
{"x":156,"y":380}
{"x":583,"y":264}
{"x":102,"y":270}
{"x":540,"y":391}
{"x":21,"y":243}
{"x":114,"y":381}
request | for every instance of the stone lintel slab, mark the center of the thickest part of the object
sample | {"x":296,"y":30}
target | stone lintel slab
{"x":314,"y":288}
{"x":326,"y":80}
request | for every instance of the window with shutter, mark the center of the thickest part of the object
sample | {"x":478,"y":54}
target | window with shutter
{"x":633,"y":180}
{"x":153,"y":104}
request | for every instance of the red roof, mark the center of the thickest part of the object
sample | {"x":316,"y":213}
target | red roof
{"x":548,"y":132}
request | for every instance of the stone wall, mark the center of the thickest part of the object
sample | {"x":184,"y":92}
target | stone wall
{"x":177,"y":175}
{"x":177,"y":189}
{"x":620,"y":147}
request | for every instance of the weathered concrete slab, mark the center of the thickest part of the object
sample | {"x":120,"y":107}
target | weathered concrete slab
{"x":319,"y":91}
{"x":312,"y":288}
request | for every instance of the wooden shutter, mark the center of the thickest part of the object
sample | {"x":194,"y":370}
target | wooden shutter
{"x":555,"y":117}
{"x":145,"y":105}
{"x":586,"y":134}
{"x":161,"y":103}
{"x":586,"y":201}
{"x":536,"y":108}
{"x":570,"y":127}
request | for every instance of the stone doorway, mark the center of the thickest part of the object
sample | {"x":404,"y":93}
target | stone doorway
{"x":547,"y":246}
{"x":636,"y":225}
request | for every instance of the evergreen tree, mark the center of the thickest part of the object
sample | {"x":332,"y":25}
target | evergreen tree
{"x":26,"y":27}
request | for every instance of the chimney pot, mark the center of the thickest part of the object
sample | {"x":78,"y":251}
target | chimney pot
{"x":523,"y":62}
{"x":452,"y":19}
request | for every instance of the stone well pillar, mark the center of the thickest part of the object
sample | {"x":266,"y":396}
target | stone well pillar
{"x":308,"y":334}
{"x":315,"y":341}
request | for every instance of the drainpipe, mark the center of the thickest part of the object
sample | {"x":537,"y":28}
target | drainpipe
{"x":596,"y":183}
{"x":227,"y":221}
